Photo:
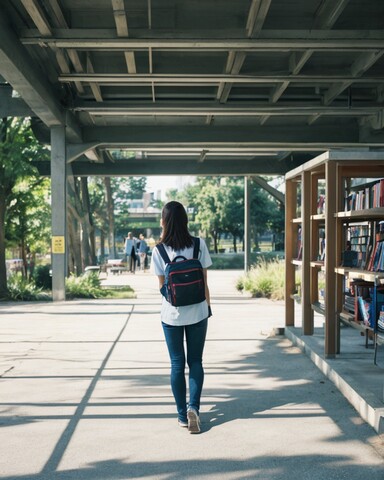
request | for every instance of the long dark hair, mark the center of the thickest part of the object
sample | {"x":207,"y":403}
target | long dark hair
{"x":175,"y":226}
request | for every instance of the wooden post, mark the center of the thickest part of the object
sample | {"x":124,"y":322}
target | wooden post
{"x":290,"y":249}
{"x":330,"y":260}
{"x":306,"y":307}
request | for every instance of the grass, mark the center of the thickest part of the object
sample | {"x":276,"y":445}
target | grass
{"x":89,"y":286}
{"x":265,"y":279}
{"x":121,"y":292}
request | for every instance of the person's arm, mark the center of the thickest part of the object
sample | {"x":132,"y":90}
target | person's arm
{"x":161,"y":280}
{"x":207,"y":294}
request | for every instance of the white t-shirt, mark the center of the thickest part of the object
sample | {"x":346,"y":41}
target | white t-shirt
{"x":190,"y":313}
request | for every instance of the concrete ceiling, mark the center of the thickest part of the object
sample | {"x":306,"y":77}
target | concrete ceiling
{"x":197,"y":86}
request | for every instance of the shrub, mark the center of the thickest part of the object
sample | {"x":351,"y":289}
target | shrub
{"x":265,"y":279}
{"x":20,"y":288}
{"x":42,"y":277}
{"x":85,"y":286}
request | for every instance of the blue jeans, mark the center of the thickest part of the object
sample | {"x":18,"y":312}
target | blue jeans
{"x":195,"y":339}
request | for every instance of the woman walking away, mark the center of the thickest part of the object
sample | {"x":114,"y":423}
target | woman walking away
{"x":180,"y":318}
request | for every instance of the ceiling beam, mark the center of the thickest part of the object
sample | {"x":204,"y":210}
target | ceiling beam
{"x":201,"y":109}
{"x":256,"y":17}
{"x":362,"y":41}
{"x":280,"y":197}
{"x":94,"y":86}
{"x":329,"y":13}
{"x":38,"y":16}
{"x":46,"y":30}
{"x":17,"y":67}
{"x":176,"y":166}
{"x":125,"y":79}
{"x":177,"y":138}
{"x":121,"y":22}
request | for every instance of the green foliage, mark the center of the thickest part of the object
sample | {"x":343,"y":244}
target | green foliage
{"x":265,"y":279}
{"x":42,"y":277}
{"x":85,"y":286}
{"x":20,"y":289}
{"x":29,"y":215}
{"x":18,"y":148}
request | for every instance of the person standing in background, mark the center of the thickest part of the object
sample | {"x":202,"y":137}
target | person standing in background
{"x":142,"y":251}
{"x":130,"y":251}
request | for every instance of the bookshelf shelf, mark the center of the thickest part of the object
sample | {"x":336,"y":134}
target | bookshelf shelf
{"x":318,"y":217}
{"x":368,"y":276}
{"x":373,"y":213}
{"x":318,"y":264}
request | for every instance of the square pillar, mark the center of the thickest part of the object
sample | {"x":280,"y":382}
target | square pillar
{"x":247,"y":223}
{"x":59,"y":211}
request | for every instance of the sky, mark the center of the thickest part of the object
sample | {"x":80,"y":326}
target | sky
{"x":165,"y":182}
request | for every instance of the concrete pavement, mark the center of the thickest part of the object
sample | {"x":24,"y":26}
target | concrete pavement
{"x":84,"y":394}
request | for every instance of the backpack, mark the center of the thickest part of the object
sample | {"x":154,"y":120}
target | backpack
{"x":184,"y":279}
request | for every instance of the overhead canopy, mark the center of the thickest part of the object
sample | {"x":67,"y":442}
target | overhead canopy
{"x":197,"y":86}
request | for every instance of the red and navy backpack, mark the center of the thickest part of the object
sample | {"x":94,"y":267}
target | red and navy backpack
{"x":184,"y":278}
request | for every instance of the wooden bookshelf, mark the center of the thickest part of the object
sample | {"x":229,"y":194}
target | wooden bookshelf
{"x":329,"y":170}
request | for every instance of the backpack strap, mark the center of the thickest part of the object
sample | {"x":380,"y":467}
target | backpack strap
{"x":196,"y":248}
{"x":164,"y":255}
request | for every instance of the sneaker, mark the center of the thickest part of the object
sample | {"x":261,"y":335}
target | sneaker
{"x":193,"y":420}
{"x":183,"y":424}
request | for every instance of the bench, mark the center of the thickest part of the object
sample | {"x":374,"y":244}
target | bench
{"x":92,"y":269}
{"x":116,"y":266}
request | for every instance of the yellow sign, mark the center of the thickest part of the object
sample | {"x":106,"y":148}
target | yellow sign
{"x":58,"y":244}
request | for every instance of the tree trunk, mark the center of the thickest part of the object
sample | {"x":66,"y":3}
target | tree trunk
{"x":234,"y":244}
{"x":214,"y":236}
{"x":88,"y":220}
{"x":75,"y":241}
{"x":111,"y":218}
{"x":3,"y":268}
{"x":102,"y":246}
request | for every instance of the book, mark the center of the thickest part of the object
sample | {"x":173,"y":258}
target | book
{"x":364,"y":310}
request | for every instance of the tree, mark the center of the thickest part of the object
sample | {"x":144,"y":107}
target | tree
{"x":18,"y":148}
{"x":209,"y":204}
{"x":232,"y":209}
{"x":28,"y":224}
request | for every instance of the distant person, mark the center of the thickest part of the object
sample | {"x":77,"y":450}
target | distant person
{"x":190,"y":321}
{"x":130,"y":252}
{"x":142,"y":251}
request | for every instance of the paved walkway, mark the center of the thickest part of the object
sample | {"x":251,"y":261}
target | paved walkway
{"x":84,"y":394}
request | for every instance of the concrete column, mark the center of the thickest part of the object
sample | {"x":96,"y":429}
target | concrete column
{"x":59,"y":212}
{"x":247,"y":223}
